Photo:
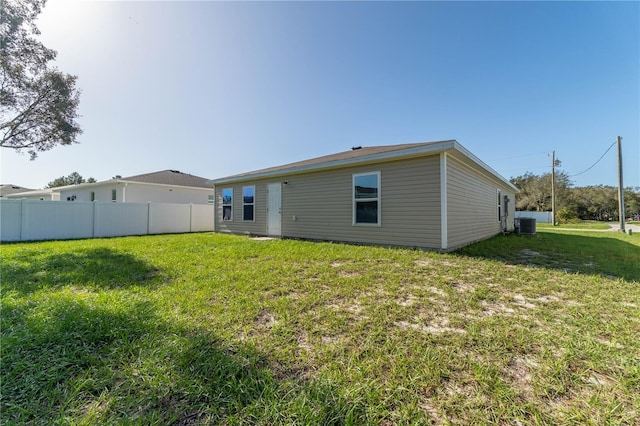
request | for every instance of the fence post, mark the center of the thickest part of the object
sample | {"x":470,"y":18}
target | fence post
{"x":93,"y":224}
{"x":23,"y":214}
{"x":148,"y":217}
{"x":191,"y":217}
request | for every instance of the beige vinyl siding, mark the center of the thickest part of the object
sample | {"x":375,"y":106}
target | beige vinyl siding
{"x":322,"y":204}
{"x":471,"y":205}
{"x":238,"y":226}
{"x":319,"y":205}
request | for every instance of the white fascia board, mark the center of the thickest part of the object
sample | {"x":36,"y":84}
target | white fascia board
{"x":127,"y":182}
{"x":30,"y":193}
{"x":82,"y":185}
{"x":165,"y":185}
{"x":434,"y":148}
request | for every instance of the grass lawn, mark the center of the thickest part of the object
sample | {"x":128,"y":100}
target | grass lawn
{"x":582,"y":224}
{"x":218,"y":329}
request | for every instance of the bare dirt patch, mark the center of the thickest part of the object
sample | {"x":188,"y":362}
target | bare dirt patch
{"x":353,"y":307}
{"x":408,"y":300}
{"x":437,"y":291}
{"x":265,"y":321}
{"x":491,"y":309}
{"x":463,"y":286}
{"x":427,"y":406}
{"x":519,"y":372}
{"x":523,"y":302}
{"x":598,"y":379}
{"x":609,"y":343}
{"x":437,"y":325}
{"x":332,"y":340}
{"x":547,"y":299}
{"x":303,"y":342}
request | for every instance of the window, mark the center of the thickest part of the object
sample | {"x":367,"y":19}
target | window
{"x":227,"y":204}
{"x":366,"y":198}
{"x":209,"y":199}
{"x":113,"y":195}
{"x":93,"y":196}
{"x":248,"y":202}
{"x":499,"y":207}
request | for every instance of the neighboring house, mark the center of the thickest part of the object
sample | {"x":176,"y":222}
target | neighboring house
{"x":36,"y":194}
{"x":166,"y":186}
{"x":8,"y":189}
{"x":434,"y":195}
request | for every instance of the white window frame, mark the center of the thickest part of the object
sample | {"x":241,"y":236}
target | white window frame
{"x":499,"y":206}
{"x":355,"y":200}
{"x":114,"y":195}
{"x":210,"y":199}
{"x":230,"y":204}
{"x":253,"y":205}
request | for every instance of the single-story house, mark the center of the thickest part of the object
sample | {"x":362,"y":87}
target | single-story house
{"x":36,"y":194}
{"x":166,"y":186}
{"x":434,"y":195}
{"x":9,"y":188}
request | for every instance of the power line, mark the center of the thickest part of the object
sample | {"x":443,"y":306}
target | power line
{"x":594,"y":164}
{"x":522,"y":156}
{"x":526,"y":169}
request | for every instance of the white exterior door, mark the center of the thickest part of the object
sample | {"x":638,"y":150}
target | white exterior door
{"x":274,"y":205}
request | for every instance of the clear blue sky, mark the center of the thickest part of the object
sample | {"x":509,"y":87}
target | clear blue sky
{"x":215,"y":89}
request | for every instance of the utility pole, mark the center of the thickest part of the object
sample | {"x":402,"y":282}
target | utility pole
{"x":554,"y":163}
{"x":620,"y":186}
{"x":553,"y":188}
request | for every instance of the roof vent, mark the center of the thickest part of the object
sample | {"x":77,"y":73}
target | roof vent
{"x":353,"y":148}
{"x":175,"y":171}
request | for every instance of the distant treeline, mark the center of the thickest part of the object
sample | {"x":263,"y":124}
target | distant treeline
{"x":587,"y":203}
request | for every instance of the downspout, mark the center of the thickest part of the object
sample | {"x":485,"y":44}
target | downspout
{"x":124,"y":192}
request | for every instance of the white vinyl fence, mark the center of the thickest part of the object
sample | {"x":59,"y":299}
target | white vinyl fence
{"x":29,"y":220}
{"x":540,"y":217}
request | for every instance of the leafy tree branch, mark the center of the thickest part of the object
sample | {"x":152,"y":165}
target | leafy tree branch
{"x":39,"y":103}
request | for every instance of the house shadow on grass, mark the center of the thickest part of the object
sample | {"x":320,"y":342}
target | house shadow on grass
{"x":597,"y":255}
{"x":67,"y":359}
{"x":100,"y":268}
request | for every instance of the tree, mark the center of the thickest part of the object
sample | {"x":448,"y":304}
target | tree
{"x":73,"y":179}
{"x":632,"y":201}
{"x":38,"y":103}
{"x":598,"y":202}
{"x":535,"y":191}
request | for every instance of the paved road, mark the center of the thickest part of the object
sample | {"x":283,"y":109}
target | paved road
{"x":615,"y":226}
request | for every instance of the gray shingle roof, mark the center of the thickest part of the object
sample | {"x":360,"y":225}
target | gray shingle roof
{"x":366,"y":155}
{"x":6,"y":189}
{"x":170,"y":177}
{"x":335,"y":159}
{"x":345,"y":155}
